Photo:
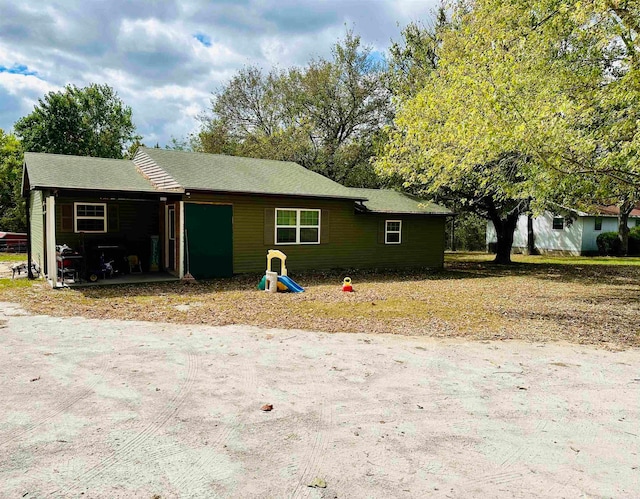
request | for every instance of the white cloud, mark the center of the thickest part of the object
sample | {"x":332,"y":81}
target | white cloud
{"x":150,"y":35}
{"x":27,"y":86}
{"x":150,"y":55}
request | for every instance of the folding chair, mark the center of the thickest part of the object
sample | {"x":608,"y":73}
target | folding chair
{"x":135,"y":265}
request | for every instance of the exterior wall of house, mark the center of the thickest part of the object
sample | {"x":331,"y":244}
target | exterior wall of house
{"x":549,"y":240}
{"x":519,"y":235}
{"x":590,"y":234}
{"x":575,"y":239}
{"x":567,"y":240}
{"x":130,"y":223}
{"x":36,"y":227}
{"x":347,"y":239}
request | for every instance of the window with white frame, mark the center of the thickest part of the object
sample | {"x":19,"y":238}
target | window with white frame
{"x":393,"y":232}
{"x":90,"y":217}
{"x":297,"y":226}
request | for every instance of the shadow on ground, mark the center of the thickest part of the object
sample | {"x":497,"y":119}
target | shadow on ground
{"x":615,"y":275}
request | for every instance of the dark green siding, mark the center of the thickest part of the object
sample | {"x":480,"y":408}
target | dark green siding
{"x":348,"y":240}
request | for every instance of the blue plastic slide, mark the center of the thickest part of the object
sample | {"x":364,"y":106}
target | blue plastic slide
{"x":290,"y":284}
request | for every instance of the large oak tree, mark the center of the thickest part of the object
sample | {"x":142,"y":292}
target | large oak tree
{"x":89,"y":121}
{"x":327,"y":115}
{"x":546,"y":91}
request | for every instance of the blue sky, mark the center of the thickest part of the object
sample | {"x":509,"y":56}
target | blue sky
{"x":164,"y":58}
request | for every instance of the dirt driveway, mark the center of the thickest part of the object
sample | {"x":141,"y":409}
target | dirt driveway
{"x":132,"y":409}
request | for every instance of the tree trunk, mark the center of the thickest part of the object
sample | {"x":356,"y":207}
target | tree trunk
{"x":623,"y":227}
{"x":531,"y":238}
{"x":331,"y":169}
{"x":505,"y":227}
{"x":623,"y":233}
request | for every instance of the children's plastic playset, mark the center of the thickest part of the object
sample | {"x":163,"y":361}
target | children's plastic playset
{"x":272,"y":282}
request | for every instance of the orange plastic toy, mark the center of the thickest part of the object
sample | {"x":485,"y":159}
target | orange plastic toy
{"x":346,"y":285}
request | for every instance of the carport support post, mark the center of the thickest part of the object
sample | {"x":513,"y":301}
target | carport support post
{"x":50,"y":222}
{"x":182,"y":245}
{"x":27,"y":206}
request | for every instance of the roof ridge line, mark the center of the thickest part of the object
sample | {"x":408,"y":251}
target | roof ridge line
{"x":231,"y":156}
{"x":78,"y":156}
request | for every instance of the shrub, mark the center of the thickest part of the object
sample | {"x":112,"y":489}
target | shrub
{"x":470,"y":232}
{"x":608,"y":244}
{"x":634,"y":241}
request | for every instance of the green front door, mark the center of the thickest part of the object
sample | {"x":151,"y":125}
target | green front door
{"x":209,"y":240}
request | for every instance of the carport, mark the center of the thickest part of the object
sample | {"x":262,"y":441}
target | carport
{"x":81,"y":234}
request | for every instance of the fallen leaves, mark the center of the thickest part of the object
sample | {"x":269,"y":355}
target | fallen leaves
{"x":318,"y":483}
{"x":470,"y":299}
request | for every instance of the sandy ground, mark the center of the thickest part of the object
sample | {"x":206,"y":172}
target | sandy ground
{"x":110,"y":409}
{"x":6,"y":272}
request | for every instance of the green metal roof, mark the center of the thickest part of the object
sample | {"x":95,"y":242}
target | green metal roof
{"x":216,"y":172}
{"x":84,"y":172}
{"x":390,"y":201}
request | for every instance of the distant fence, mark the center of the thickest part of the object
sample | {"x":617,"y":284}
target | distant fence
{"x":13,"y":246}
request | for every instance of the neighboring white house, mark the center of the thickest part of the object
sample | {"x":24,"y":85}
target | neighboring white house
{"x":573,"y":232}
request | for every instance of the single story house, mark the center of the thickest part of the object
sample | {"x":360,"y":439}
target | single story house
{"x":215,"y":216}
{"x":570,"y":231}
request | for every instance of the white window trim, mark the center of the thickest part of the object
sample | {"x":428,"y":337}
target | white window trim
{"x":297,"y":226}
{"x":387,"y":232}
{"x":553,"y":221}
{"x":76,"y":217}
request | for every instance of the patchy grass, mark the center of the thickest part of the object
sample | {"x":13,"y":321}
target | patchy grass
{"x":12,"y":284}
{"x":544,"y":259}
{"x":536,"y":299}
{"x":13,"y":257}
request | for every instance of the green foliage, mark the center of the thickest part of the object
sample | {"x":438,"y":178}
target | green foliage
{"x":215,"y":137}
{"x":327,"y":116}
{"x":608,"y":244}
{"x":89,"y":121}
{"x":133,"y":147}
{"x":469,"y":232}
{"x":526,"y":97}
{"x":416,"y":56}
{"x":252,"y":103}
{"x":456,"y":132}
{"x":634,"y":241}
{"x":176,"y":144}
{"x":12,"y":205}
